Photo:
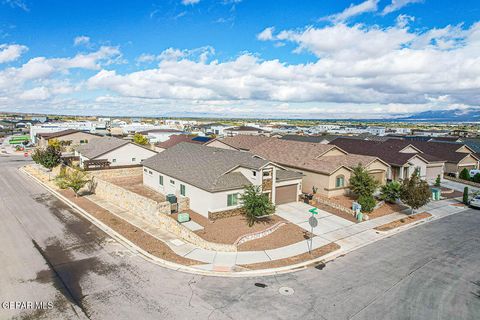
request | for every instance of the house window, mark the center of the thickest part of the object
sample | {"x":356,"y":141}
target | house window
{"x":160,"y":180}
{"x":114,"y":160}
{"x":144,"y":170}
{"x":149,"y":172}
{"x":172,"y":182}
{"x":232,"y":199}
{"x":340,"y":182}
{"x":254,"y":173}
{"x":182,"y":190}
{"x":267,"y":173}
{"x":133,"y":159}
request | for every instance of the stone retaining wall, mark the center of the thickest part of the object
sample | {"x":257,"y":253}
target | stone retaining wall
{"x":334,"y":205}
{"x":224,"y":214}
{"x":149,"y":210}
{"x":259,"y":234}
{"x":117,"y":173}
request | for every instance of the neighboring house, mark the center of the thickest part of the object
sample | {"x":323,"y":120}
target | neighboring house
{"x":160,"y":135}
{"x":324,"y":139}
{"x":248,"y":130}
{"x":112,"y":152}
{"x":69,"y":139}
{"x":402,"y":156}
{"x":213,"y":179}
{"x":240,"y":142}
{"x":214,"y":128}
{"x":325,"y":167}
{"x":176,"y":139}
{"x":456,"y":156}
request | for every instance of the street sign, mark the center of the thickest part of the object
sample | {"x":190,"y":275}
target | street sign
{"x":313,"y":211}
{"x":313,"y":222}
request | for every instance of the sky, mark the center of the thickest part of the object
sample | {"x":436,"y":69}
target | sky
{"x":239,"y":58}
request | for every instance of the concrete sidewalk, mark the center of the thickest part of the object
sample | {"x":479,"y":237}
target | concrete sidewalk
{"x":349,"y":236}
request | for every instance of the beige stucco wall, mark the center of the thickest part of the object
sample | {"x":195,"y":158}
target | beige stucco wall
{"x":75,"y":139}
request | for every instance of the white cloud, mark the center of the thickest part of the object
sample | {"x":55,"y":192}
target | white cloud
{"x":397,"y":5}
{"x":39,"y":93}
{"x":11,"y":52}
{"x":190,"y":2}
{"x":357,"y":70}
{"x":17,"y":4}
{"x":403,"y":20}
{"x":354,"y":10}
{"x":266,"y":34}
{"x":81,"y":40}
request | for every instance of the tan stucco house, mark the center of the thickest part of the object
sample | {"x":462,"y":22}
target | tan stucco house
{"x":69,"y":139}
{"x":326,"y":167}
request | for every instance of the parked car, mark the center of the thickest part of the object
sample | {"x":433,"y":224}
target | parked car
{"x":475,"y":202}
{"x":473,"y":172}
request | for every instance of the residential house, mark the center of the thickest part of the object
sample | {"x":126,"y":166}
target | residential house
{"x":176,"y":139}
{"x":112,"y":152}
{"x":326,"y":167}
{"x":213,"y":179}
{"x":402,"y":156}
{"x":159,"y":135}
{"x":247,"y":130}
{"x":69,"y":138}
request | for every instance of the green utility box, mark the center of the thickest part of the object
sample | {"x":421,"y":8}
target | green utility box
{"x":436,"y":194}
{"x":183,"y":217}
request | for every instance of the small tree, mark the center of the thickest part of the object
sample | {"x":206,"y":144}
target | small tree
{"x":465,"y":195}
{"x":391,"y":191}
{"x":464,"y":174}
{"x":367,"y":203}
{"x":415,"y":192}
{"x":48,"y":158}
{"x":75,"y":180}
{"x":55,"y":143}
{"x":438,"y":181}
{"x":362,"y":183}
{"x":255,"y":204}
{"x":140,"y":139}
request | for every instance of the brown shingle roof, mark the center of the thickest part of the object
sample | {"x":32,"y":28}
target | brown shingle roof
{"x":245,"y":142}
{"x":388,"y":151}
{"x":51,"y":135}
{"x":245,"y":128}
{"x":176,"y":139}
{"x":307,"y":156}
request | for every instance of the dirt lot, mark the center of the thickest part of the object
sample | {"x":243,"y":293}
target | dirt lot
{"x":137,"y":236}
{"x":386,"y":209}
{"x":447,"y":193}
{"x":336,"y":212}
{"x":295,"y":259}
{"x":228,"y":230}
{"x":403,"y":221}
{"x":135,"y":184}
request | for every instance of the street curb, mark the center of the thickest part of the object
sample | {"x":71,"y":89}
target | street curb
{"x":240,"y":274}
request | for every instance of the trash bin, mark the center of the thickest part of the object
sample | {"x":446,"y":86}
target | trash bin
{"x":359,"y":216}
{"x":183,"y":217}
{"x":436,"y":194}
{"x":171,"y":198}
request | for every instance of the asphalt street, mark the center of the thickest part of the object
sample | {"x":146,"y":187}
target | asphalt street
{"x":49,"y":254}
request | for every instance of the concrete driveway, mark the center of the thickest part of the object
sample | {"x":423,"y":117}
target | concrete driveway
{"x":297,"y":213}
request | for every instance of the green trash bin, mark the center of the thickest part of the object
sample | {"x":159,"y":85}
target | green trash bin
{"x":436,"y":194}
{"x":183,"y":217}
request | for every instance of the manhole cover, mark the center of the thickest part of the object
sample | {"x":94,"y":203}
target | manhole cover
{"x":286,"y":291}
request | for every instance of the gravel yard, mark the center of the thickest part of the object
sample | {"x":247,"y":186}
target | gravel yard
{"x":228,"y":230}
{"x":135,"y":184}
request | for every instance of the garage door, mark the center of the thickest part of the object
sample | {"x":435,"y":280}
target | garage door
{"x":285,"y":194}
{"x":379,"y":176}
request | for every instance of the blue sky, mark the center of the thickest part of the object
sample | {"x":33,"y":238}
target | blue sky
{"x":370,"y":58}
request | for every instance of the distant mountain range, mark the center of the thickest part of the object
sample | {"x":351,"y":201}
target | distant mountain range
{"x":467,"y":115}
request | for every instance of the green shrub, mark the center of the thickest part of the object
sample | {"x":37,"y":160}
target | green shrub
{"x":367,"y":203}
{"x":476,"y":178}
{"x":255,"y":204}
{"x":464,"y":174}
{"x":362,"y":183}
{"x":465,"y":195}
{"x":391,"y":191}
{"x":438,"y":181}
